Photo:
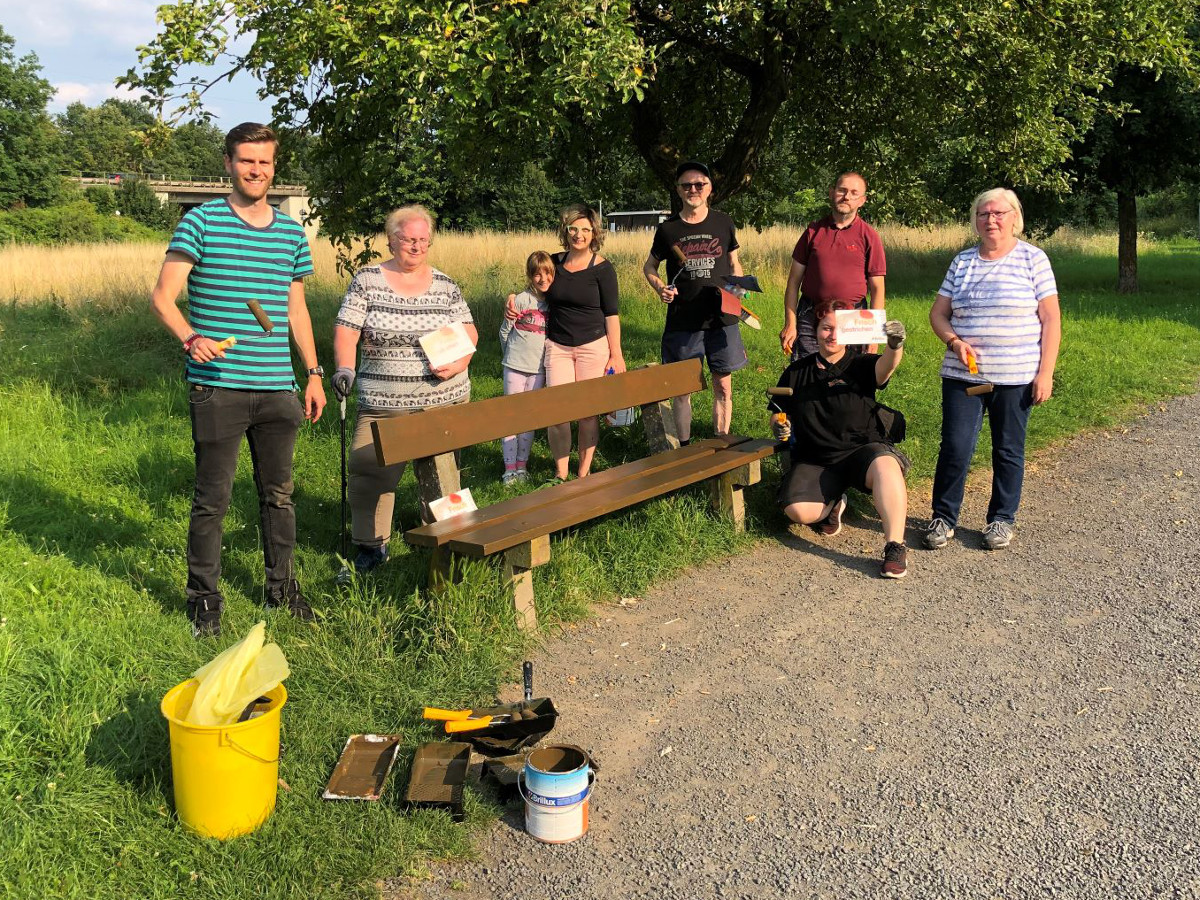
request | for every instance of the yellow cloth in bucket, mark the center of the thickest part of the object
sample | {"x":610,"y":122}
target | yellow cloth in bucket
{"x":235,"y":678}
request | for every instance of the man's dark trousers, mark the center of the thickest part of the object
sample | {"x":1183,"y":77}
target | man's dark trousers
{"x":270,"y":420}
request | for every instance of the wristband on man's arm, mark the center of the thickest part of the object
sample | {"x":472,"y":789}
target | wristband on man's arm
{"x":189,"y":340}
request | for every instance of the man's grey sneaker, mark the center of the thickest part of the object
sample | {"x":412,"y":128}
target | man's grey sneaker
{"x":205,"y":616}
{"x":997,"y":535}
{"x":370,"y":558}
{"x":289,"y":595}
{"x":938,"y":534}
{"x":895,"y":560}
{"x":832,"y":523}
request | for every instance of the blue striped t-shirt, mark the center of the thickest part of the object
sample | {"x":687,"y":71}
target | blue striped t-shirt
{"x":236,"y":262}
{"x":994,"y":308}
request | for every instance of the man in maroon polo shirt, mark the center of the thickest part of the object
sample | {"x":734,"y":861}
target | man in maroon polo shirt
{"x":838,"y":258}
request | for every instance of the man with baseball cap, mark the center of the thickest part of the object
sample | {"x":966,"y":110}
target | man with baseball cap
{"x":699,"y":245}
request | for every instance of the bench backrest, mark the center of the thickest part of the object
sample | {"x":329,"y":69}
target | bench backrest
{"x":449,"y":428}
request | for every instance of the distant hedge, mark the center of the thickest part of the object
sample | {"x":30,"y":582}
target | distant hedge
{"x":76,"y":222}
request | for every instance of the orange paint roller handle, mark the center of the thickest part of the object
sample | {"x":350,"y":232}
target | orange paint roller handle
{"x":227,"y":343}
{"x":446,"y":715}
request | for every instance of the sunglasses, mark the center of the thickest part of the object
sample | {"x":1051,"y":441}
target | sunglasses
{"x":693,"y":185}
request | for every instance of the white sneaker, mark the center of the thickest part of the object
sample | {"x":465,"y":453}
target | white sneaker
{"x":938,"y":534}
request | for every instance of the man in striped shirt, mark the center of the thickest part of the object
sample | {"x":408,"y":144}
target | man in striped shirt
{"x":230,"y":252}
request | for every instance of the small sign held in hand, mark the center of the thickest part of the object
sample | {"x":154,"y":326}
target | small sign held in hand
{"x":860,"y":326}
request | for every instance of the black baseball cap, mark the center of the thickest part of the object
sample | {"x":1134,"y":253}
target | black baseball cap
{"x":693,"y":166}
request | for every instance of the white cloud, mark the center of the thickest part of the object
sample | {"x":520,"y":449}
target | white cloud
{"x":68,"y":92}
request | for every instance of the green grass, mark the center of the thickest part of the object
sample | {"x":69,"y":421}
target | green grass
{"x":95,"y":480}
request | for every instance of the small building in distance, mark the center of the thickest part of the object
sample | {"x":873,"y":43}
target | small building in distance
{"x":636,"y":220}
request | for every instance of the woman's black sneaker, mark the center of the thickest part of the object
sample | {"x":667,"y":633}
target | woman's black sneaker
{"x":895,"y":560}
{"x":370,"y":558}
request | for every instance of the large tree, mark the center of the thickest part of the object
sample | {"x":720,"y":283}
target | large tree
{"x":1152,"y":142}
{"x":1002,"y":85}
{"x":28,"y":142}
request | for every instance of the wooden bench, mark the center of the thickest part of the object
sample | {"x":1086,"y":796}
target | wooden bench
{"x":520,"y":527}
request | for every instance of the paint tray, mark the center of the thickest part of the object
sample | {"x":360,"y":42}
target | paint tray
{"x":363,"y":767}
{"x":523,"y":730}
{"x":439,"y":771}
{"x":502,"y":772}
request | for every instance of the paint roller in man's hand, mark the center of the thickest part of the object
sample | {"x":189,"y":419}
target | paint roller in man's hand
{"x":260,"y":316}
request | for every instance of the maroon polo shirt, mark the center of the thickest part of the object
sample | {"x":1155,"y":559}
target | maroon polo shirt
{"x":837,"y":261}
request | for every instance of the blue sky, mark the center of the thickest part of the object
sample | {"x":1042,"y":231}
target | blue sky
{"x":83,"y":45}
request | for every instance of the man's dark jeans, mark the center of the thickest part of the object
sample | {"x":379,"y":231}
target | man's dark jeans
{"x":1007,"y":408}
{"x":270,"y":421}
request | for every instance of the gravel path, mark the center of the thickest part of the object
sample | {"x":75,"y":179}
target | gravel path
{"x":1014,"y":724}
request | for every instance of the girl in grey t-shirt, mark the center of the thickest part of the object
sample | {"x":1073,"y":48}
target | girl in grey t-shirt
{"x":524,"y":343}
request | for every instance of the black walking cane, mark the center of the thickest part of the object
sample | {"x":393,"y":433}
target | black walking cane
{"x":344,"y":576}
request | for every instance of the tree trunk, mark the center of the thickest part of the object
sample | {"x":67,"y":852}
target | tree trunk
{"x":1127,"y":259}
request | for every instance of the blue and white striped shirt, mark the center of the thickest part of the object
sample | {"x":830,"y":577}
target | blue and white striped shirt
{"x":236,"y":262}
{"x":994,"y":308}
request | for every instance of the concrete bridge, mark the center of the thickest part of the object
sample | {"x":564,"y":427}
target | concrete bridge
{"x":290,"y":199}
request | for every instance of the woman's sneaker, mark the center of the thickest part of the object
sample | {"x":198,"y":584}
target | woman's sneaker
{"x":938,"y":534}
{"x":370,"y":558}
{"x":831,"y":525}
{"x":895,"y":560}
{"x":997,"y":535}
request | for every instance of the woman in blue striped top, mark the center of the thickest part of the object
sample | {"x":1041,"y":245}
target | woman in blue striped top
{"x":997,"y":312}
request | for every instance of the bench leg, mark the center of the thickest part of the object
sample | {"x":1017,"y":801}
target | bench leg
{"x":437,"y":476}
{"x":519,"y":563}
{"x":441,"y":569}
{"x":728,"y":499}
{"x":659,"y":422}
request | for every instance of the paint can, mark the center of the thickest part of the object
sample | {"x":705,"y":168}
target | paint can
{"x":558,"y":824}
{"x":557,"y":784}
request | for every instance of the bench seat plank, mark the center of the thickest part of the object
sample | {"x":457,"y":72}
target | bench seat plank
{"x":554,"y":515}
{"x":437,"y":534}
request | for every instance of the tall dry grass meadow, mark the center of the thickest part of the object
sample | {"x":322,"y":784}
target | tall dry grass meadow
{"x":482,"y":262}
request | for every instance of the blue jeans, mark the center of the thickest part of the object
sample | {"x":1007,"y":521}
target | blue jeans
{"x":270,"y":421}
{"x":1008,"y":409}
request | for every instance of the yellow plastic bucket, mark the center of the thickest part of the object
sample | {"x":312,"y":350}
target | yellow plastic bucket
{"x":225,"y":776}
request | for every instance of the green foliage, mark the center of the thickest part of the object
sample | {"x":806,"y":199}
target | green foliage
{"x":28,"y":152}
{"x":101,"y":196}
{"x":76,"y":222}
{"x":136,"y":199}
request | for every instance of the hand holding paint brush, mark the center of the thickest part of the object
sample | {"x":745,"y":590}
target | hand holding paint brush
{"x":966,"y":355}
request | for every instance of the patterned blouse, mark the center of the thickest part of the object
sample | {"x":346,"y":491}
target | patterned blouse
{"x":393,"y":371}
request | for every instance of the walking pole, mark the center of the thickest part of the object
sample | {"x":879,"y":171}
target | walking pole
{"x":343,"y":576}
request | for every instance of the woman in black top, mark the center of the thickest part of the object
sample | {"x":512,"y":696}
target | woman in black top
{"x":583,"y":332}
{"x":840,"y":439}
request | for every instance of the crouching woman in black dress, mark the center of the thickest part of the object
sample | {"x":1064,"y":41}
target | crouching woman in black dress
{"x":844,"y":438}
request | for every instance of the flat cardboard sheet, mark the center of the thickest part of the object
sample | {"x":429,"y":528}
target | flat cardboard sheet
{"x":446,"y":345}
{"x":452,"y":505}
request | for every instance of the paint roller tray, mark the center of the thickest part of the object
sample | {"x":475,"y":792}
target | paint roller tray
{"x":439,"y":771}
{"x":537,"y":719}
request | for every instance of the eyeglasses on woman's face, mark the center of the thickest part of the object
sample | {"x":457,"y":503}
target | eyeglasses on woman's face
{"x":577,"y":230}
{"x":996,"y":214}
{"x":416,"y":243}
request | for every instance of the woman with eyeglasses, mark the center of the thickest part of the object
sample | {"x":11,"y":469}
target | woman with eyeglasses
{"x":387,"y":309}
{"x":997,"y":312}
{"x":583,"y":331}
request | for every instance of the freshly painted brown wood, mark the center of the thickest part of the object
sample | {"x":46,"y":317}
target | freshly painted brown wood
{"x":555,"y":515}
{"x":439,"y":533}
{"x":447,"y":428}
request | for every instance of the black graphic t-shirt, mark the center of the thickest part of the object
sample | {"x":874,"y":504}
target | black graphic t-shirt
{"x":706,"y":248}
